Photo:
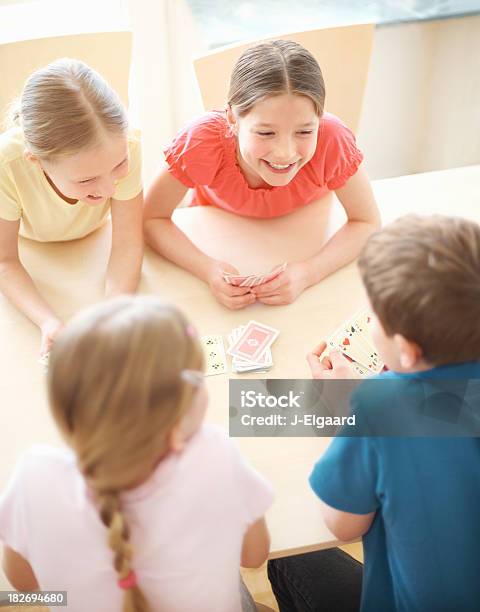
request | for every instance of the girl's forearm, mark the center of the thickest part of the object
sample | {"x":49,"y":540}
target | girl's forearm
{"x":20,"y":290}
{"x":342,"y":248}
{"x":168,"y":240}
{"x":124,"y":270}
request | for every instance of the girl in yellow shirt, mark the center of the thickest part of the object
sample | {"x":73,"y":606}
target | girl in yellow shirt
{"x":67,"y":163}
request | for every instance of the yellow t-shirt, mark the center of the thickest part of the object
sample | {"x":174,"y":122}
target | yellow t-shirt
{"x":26,"y":194}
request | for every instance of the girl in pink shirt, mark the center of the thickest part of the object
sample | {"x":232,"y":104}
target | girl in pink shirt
{"x":272,"y":151}
{"x":149,"y":509}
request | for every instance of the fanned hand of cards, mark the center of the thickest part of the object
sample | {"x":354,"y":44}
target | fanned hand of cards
{"x":252,"y":280}
{"x":249,"y":346}
{"x":354,"y":339}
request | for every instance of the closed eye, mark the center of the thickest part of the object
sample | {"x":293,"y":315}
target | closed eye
{"x":306,"y":132}
{"x":265,"y":133}
{"x":84,"y":182}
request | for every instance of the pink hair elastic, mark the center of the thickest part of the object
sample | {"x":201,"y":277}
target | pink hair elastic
{"x":128,"y":582}
{"x":191,"y":331}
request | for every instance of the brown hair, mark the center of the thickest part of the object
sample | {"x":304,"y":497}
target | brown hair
{"x":66,"y":107}
{"x":274,"y":68}
{"x":116,"y":390}
{"x":422,"y":275}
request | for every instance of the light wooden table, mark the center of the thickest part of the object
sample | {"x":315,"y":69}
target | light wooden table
{"x":71,"y":275}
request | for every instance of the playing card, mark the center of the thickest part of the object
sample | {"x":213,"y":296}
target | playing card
{"x":363,"y":319}
{"x":254,"y":340}
{"x":241,"y":364}
{"x":343,"y":339}
{"x":214,"y":351}
{"x":350,"y":339}
{"x":253,"y":280}
{"x":43,"y":361}
{"x":276,"y":271}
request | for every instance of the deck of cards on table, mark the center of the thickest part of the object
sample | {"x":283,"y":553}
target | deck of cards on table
{"x":353,"y":338}
{"x":249,"y":346}
{"x":253,"y":280}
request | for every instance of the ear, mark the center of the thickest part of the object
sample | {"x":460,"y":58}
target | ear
{"x":31,"y":157}
{"x":410,"y":352}
{"x":231,"y":119}
{"x":176,"y":440}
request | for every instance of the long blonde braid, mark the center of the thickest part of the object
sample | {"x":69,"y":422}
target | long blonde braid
{"x":116,"y":392}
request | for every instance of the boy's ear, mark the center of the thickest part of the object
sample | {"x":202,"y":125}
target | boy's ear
{"x":410,"y":353}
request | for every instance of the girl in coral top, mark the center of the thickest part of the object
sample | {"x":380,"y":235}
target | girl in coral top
{"x":272,"y":151}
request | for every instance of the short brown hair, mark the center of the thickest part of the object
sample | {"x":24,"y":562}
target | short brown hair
{"x":422,"y":275}
{"x":274,"y":68}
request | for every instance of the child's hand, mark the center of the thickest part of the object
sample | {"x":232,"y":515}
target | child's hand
{"x":285,"y":288}
{"x":228,"y":295}
{"x":333,"y":366}
{"x":49,"y":330}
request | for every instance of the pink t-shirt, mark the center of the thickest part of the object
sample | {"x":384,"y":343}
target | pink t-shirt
{"x":203,"y":156}
{"x":187,"y":526}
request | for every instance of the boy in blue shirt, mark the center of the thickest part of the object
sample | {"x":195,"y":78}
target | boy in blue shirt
{"x":415,"y":501}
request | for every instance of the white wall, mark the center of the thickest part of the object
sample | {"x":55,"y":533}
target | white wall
{"x":422,"y":103}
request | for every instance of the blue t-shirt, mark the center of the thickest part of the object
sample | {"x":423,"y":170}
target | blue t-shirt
{"x":422,"y":551}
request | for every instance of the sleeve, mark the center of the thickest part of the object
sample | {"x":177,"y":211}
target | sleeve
{"x":341,"y":156}
{"x":196,"y":153}
{"x":10,"y":209}
{"x":346,"y":476}
{"x":131,"y":185}
{"x":13,"y":523}
{"x":254,"y":491}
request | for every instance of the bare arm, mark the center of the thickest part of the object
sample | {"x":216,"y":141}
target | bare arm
{"x":124,"y":266}
{"x":256,"y":545}
{"x":18,"y":571}
{"x":345,"y":525}
{"x":18,"y":287}
{"x":363,"y":219}
{"x":167,"y":239}
{"x":163,"y":235}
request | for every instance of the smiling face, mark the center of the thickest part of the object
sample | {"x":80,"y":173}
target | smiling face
{"x":276,"y":138}
{"x":90,"y":175}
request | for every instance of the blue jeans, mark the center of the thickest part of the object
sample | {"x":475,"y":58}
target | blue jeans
{"x":321,"y":581}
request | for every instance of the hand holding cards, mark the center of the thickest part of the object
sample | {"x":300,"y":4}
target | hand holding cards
{"x":253,"y":280}
{"x":353,"y":339}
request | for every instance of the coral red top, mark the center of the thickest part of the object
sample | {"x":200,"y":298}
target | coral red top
{"x":203,"y":156}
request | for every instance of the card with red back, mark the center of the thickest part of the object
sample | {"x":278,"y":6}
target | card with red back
{"x":276,"y":271}
{"x":254,"y":340}
{"x":253,"y":280}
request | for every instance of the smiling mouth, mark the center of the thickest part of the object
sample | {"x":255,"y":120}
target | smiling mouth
{"x":280,"y":167}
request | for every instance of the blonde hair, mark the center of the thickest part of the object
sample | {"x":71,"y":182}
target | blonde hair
{"x":66,"y":107}
{"x":422,"y":276}
{"x":116,"y":390}
{"x":275,"y":68}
